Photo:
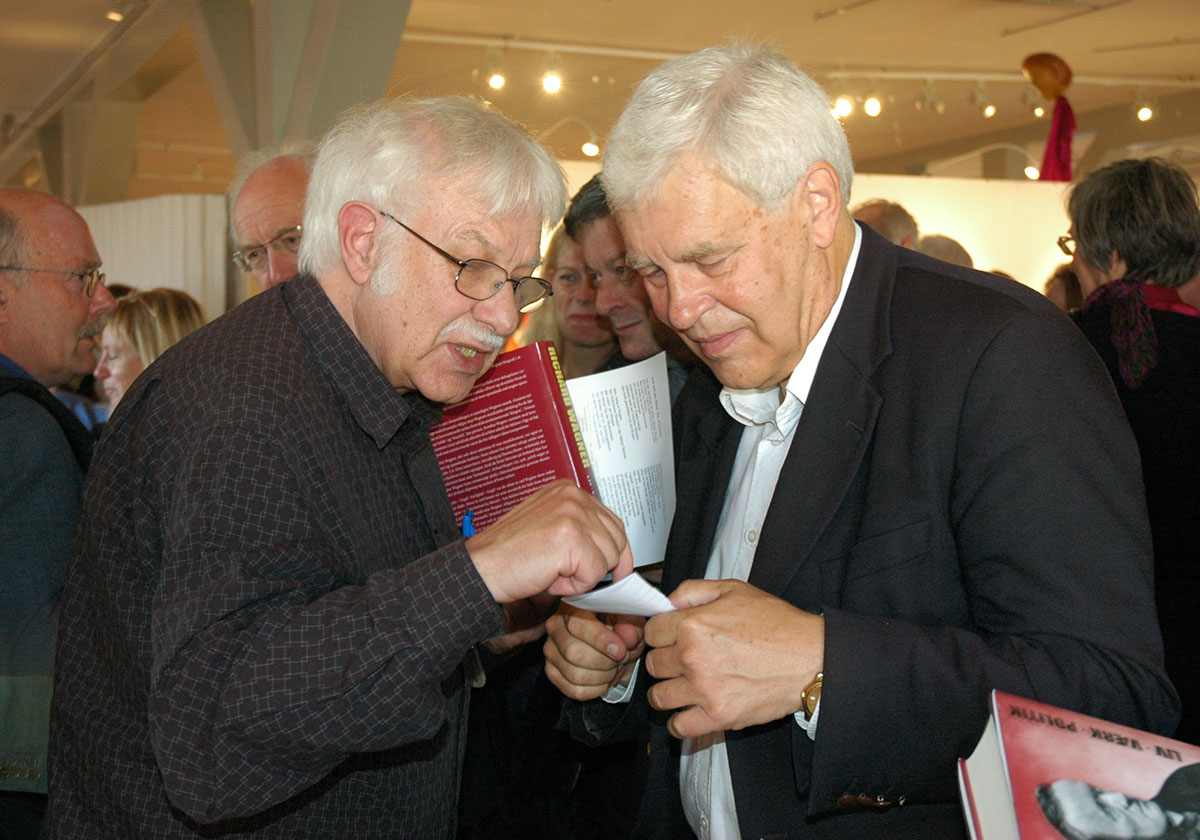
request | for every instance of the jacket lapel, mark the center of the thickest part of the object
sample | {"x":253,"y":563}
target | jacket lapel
{"x":837,"y":425}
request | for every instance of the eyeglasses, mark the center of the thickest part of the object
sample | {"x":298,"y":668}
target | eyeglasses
{"x":1067,"y":243}
{"x":90,"y":279}
{"x":254,"y":259}
{"x":481,"y":279}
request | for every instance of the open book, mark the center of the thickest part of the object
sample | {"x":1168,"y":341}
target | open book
{"x":1044,"y":773}
{"x":524,"y":426}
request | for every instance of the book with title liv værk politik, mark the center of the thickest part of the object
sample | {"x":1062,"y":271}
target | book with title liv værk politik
{"x":1044,"y":773}
{"x":523,"y":426}
{"x":515,"y":433}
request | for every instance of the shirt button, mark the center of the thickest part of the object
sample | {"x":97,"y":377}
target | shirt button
{"x":752,"y":536}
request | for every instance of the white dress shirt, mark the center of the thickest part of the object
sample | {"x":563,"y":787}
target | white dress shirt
{"x":704,"y":778}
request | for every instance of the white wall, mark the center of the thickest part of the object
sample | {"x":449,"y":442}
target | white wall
{"x":1009,"y":225}
{"x":178,"y":241}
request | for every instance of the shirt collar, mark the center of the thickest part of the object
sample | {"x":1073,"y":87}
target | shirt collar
{"x":377,"y":407}
{"x":11,"y":368}
{"x":764,"y":407}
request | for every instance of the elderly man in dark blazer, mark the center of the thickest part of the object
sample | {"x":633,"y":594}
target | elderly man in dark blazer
{"x":908,"y":484}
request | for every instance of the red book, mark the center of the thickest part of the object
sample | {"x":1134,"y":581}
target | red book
{"x":514,"y":433}
{"x":1044,"y":773}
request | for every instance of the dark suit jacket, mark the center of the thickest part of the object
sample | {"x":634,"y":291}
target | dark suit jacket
{"x":962,"y":502}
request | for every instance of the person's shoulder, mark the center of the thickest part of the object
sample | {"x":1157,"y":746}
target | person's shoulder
{"x":242,"y":361}
{"x":30,"y":437}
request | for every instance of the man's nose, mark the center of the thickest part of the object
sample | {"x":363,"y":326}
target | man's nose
{"x":499,"y":312}
{"x":102,"y":301}
{"x":281,"y":266}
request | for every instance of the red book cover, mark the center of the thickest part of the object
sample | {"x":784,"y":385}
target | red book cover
{"x":513,"y":434}
{"x":1045,"y":773}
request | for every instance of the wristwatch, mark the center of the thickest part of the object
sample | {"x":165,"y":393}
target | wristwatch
{"x":810,"y":695}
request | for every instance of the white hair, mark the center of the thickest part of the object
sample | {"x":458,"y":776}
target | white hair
{"x":756,"y":116}
{"x":385,"y":152}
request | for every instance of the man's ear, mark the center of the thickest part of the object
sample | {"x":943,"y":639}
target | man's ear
{"x":822,"y":192}
{"x":358,"y":233}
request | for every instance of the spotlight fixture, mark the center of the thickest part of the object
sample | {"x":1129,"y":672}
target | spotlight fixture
{"x":1032,"y":100}
{"x":589,"y":148}
{"x":980,"y":100}
{"x":843,"y":107}
{"x":927,"y":100}
{"x":492,"y":69}
{"x":872,"y":106}
{"x":1143,"y":108}
{"x":552,"y":80}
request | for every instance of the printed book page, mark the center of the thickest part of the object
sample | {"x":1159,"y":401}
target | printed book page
{"x":625,"y":418}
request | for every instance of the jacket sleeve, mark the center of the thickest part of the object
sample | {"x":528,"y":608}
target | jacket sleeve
{"x":268,"y":670}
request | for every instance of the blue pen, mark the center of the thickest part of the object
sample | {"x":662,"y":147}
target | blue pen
{"x":468,"y":526}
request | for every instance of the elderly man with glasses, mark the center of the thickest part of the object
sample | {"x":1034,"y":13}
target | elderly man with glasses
{"x":266,"y":203}
{"x":52,"y":299}
{"x":271,"y":608}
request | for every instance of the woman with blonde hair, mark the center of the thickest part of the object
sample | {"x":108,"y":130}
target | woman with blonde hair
{"x":138,"y":331}
{"x":583,"y":337}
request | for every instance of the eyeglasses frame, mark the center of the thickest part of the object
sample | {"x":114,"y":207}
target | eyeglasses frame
{"x":516,"y":282}
{"x":92,"y":278}
{"x":239,"y":256}
{"x":1067,"y":244}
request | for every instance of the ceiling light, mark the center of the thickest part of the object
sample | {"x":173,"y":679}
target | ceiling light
{"x":980,"y":100}
{"x":552,"y":80}
{"x":1032,"y":172}
{"x":492,"y":69}
{"x":843,"y":107}
{"x":590,"y":148}
{"x":1032,"y":100}
{"x":1143,"y":108}
{"x":927,"y":100}
{"x":115,"y":16}
{"x":872,"y":107}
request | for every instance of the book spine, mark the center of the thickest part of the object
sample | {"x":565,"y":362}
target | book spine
{"x":570,"y":425}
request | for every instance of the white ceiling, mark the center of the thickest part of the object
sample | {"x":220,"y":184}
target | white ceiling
{"x":158,"y":123}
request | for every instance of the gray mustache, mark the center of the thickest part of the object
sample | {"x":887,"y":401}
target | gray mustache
{"x":92,"y":329}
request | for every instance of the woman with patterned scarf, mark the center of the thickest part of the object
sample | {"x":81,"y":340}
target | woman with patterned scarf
{"x":1135,"y":239}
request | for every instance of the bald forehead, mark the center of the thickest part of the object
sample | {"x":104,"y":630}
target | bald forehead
{"x":272,"y":199}
{"x":42,"y":217}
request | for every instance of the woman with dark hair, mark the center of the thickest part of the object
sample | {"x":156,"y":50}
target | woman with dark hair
{"x":1135,"y":238}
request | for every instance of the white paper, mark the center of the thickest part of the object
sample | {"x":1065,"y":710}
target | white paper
{"x":631,"y":595}
{"x":625,"y":418}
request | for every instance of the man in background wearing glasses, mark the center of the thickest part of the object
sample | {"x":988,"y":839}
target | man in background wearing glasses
{"x":52,"y":299}
{"x":266,"y":203}
{"x":270,"y":604}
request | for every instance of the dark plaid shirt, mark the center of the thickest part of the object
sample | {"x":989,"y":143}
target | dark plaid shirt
{"x":268,"y":605}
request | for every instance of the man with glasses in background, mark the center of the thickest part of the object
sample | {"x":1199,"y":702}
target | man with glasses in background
{"x":270,"y":606}
{"x":266,"y":203}
{"x":52,"y":299}
{"x":620,"y":295}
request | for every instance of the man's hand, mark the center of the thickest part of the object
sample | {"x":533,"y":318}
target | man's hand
{"x":730,"y":656}
{"x":561,"y":540}
{"x":585,"y":656}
